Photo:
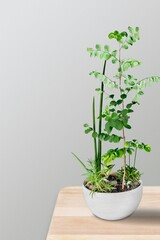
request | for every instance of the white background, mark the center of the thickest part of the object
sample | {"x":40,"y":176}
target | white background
{"x":46,"y":95}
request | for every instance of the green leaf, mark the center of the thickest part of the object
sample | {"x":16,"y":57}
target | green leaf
{"x":107,"y":56}
{"x":106,"y":48}
{"x":129,"y":41}
{"x":111,"y":96}
{"x":128,"y":126}
{"x":119,"y":37}
{"x":98,"y":90}
{"x":137,"y":29}
{"x":109,"y":157}
{"x":129,"y":105}
{"x":131,"y":83}
{"x":140,"y":93}
{"x":146,"y":82}
{"x":85,"y":125}
{"x":120,"y":152}
{"x":94,"y":134}
{"x":129,"y":151}
{"x":140,"y":146}
{"x":102,"y":55}
{"x":119,"y":101}
{"x":124,"y":34}
{"x":124,"y":112}
{"x":111,"y":35}
{"x":108,"y":128}
{"x":133,"y":38}
{"x":135,"y":63}
{"x":88,"y":130}
{"x":130,"y":111}
{"x":129,"y":63}
{"x":113,"y":103}
{"x":116,"y":32}
{"x":88,"y":170}
{"x":110,"y":84}
{"x":131,"y":30}
{"x":114,"y":53}
{"x":126,"y":66}
{"x":123,"y":96}
{"x":112,"y":109}
{"x":125,"y":46}
{"x":89,"y":50}
{"x":106,"y":137}
{"x":127,"y":144}
{"x":114,"y":60}
{"x":134,"y":144}
{"x":114,"y":138}
{"x":114,"y":115}
{"x":117,"y":124}
{"x":147,"y":148}
{"x":98,"y":47}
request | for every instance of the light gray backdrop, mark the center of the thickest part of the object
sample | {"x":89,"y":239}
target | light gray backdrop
{"x":45,"y":97}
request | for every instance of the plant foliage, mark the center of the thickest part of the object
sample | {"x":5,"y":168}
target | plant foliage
{"x":112,"y":120}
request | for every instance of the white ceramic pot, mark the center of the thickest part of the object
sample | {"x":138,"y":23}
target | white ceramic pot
{"x":113,"y":206}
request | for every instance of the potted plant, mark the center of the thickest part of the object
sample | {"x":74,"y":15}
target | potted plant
{"x":113,"y":194}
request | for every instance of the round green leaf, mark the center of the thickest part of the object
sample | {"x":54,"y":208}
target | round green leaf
{"x":111,"y":96}
{"x":88,"y":130}
{"x":127,"y":144}
{"x":98,"y":47}
{"x":128,"y":126}
{"x":119,"y":101}
{"x":106,"y":47}
{"x":125,"y":46}
{"x":113,"y":103}
{"x":111,"y":35}
{"x":147,"y":148}
{"x":129,"y":105}
{"x":123,"y":96}
{"x":94,"y":134}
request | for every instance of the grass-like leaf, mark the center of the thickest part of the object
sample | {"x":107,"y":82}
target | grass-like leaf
{"x":87,"y":169}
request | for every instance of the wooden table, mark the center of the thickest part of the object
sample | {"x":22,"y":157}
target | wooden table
{"x":72,"y":220}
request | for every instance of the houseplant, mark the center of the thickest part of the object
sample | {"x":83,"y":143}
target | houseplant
{"x":114,"y":195}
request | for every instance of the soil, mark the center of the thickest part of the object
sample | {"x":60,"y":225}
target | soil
{"x":118,"y":185}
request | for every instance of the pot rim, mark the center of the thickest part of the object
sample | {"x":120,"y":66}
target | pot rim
{"x":125,"y":192}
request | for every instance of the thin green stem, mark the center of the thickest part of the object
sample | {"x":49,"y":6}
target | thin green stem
{"x":100,"y":122}
{"x":135,"y":156}
{"x":94,"y":130}
{"x":129,"y":160}
{"x":123,"y":132}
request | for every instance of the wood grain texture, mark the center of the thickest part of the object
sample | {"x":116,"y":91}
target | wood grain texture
{"x":72,"y":220}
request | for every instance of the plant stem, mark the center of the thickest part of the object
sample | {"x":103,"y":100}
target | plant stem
{"x":100,"y":122}
{"x":123,"y":132}
{"x":135,"y":157}
{"x":94,"y":130}
{"x":129,"y":159}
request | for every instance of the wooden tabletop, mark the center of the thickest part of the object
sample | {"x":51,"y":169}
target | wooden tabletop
{"x":72,"y":220}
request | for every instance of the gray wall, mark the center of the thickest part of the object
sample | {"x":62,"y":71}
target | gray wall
{"x":45,"y":97}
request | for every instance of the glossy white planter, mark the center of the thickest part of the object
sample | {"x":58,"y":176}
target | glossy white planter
{"x":113,"y":206}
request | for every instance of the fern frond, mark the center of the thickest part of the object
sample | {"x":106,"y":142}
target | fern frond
{"x":142,"y":84}
{"x":146,"y":82}
{"x":108,"y":82}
